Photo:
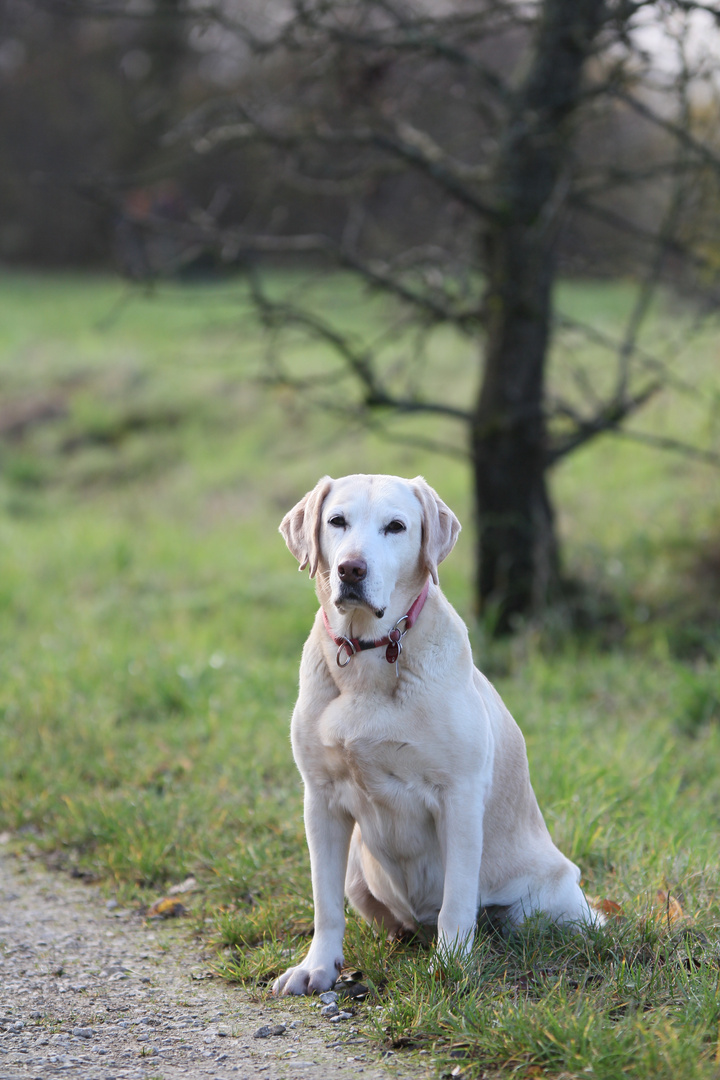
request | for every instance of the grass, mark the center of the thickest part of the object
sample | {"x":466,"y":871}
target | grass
{"x":151,"y":624}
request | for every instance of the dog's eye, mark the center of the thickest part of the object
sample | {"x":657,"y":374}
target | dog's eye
{"x":337,"y":522}
{"x":394,"y":527}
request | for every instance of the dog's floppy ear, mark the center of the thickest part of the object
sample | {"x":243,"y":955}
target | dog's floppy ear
{"x":440,"y":527}
{"x":301,"y":526}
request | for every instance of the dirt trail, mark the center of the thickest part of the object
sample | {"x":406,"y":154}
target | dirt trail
{"x":93,"y":992}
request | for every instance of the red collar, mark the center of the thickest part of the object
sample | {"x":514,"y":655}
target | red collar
{"x":392,"y":640}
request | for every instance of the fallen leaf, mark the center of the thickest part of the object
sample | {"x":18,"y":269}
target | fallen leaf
{"x":667,"y":908}
{"x":606,"y":907}
{"x":302,"y":928}
{"x":166,"y":908}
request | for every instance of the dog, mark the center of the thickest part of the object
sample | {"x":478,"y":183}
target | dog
{"x":418,"y":801}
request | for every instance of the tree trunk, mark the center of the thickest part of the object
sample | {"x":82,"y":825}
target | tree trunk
{"x":518,"y":554}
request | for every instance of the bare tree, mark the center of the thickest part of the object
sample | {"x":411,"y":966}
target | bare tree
{"x":457,"y":157}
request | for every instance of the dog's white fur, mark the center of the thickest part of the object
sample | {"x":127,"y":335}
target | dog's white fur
{"x":417,"y":793}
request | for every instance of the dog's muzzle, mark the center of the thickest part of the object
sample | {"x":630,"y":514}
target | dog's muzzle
{"x":355,"y":594}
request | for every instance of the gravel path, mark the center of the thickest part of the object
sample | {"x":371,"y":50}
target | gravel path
{"x":94,"y":992}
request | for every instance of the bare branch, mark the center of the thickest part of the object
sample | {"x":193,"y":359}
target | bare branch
{"x":416,"y":442}
{"x":647,"y":361}
{"x":629,"y":228}
{"x":360,"y":362}
{"x":686,"y":6}
{"x":675,"y":446}
{"x":237,"y":245}
{"x":431,"y":44}
{"x":402,"y":141}
{"x":339,"y":187}
{"x":678,"y":132}
{"x":613,"y":177}
{"x":608,"y":418}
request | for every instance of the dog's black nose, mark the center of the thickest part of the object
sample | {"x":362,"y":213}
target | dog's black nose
{"x":352,"y":571}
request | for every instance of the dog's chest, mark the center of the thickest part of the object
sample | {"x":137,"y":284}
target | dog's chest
{"x":373,"y":764}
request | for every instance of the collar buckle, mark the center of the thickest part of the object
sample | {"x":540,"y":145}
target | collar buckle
{"x":349,"y":647}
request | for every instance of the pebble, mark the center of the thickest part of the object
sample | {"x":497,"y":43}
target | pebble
{"x":112,"y":1027}
{"x":270,"y":1029}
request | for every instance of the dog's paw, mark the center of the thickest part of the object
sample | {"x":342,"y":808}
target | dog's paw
{"x":307,"y":979}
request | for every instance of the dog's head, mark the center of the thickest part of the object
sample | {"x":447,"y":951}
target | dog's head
{"x":369,"y":537}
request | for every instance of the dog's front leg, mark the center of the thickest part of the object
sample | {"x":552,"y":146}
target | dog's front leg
{"x":328,"y":836}
{"x":461,"y":838}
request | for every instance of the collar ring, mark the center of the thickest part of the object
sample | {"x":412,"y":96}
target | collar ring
{"x":346,"y":647}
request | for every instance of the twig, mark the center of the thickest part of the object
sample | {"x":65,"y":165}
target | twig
{"x":662,"y":442}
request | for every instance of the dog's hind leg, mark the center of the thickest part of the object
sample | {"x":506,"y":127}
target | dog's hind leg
{"x":362,"y":899}
{"x":559,"y":898}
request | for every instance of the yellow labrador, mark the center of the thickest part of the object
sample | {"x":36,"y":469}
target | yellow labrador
{"x":418,"y":802}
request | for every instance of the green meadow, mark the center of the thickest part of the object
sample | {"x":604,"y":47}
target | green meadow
{"x":151,"y":623}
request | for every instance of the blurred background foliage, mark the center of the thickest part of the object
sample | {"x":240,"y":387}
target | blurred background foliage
{"x":461,"y":162}
{"x":92,"y":93}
